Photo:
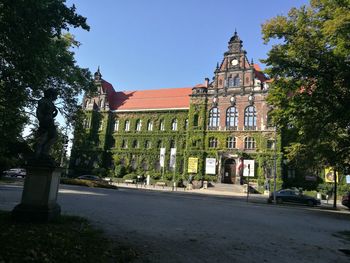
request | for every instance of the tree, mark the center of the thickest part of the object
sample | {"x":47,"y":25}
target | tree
{"x":310,"y":95}
{"x":35,"y":54}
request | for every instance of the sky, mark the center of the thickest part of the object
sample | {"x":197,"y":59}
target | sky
{"x":151,"y":44}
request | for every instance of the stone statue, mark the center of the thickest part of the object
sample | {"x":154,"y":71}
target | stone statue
{"x":47,"y":133}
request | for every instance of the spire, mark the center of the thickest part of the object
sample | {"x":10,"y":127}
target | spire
{"x":98,"y":75}
{"x":235,"y":43}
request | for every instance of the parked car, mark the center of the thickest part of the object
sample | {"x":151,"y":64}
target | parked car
{"x":89,"y":177}
{"x":345,"y":200}
{"x":293,"y":196}
{"x":15,"y":172}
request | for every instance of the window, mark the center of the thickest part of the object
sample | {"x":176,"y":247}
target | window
{"x":172,"y":144}
{"x":159,"y":144}
{"x":124,"y":144}
{"x":87,"y":123}
{"x":174,"y":125}
{"x":269,"y":120}
{"x":250,"y":118}
{"x":149,"y":126}
{"x":161,"y":125}
{"x":231,"y":142}
{"x":135,"y":144}
{"x":195,"y":120}
{"x":138,"y":125}
{"x":214,"y":118}
{"x":230,"y":82}
{"x":213,"y":142}
{"x":231,"y":118}
{"x":116,"y":125}
{"x":271,"y":144}
{"x":148,"y":144}
{"x":249,"y":143}
{"x":127,"y":125}
{"x":236,"y":81}
{"x":186,"y":124}
{"x":101,"y":126}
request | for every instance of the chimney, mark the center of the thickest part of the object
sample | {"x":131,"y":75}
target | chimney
{"x":206,"y":83}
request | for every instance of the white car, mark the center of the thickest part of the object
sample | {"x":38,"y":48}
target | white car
{"x":15,"y":172}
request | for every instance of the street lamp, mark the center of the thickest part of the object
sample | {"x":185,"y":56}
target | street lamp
{"x":275,"y":165}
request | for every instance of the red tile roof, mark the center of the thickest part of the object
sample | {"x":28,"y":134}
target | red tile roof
{"x":170,"y":98}
{"x":259,"y":74}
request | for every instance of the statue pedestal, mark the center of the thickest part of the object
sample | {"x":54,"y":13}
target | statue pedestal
{"x":39,"y":195}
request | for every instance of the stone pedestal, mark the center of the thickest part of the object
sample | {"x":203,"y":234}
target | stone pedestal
{"x":39,"y":195}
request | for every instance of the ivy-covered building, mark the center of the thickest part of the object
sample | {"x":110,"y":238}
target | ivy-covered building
{"x":225,"y":119}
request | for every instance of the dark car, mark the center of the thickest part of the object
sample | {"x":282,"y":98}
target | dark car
{"x":89,"y":177}
{"x":345,"y":200}
{"x":15,"y":172}
{"x":293,"y":196}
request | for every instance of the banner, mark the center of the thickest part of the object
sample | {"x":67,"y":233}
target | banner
{"x":210,"y":166}
{"x":192,"y":165}
{"x":162,"y":157}
{"x":172,"y":158}
{"x":329,"y":175}
{"x":248,"y":168}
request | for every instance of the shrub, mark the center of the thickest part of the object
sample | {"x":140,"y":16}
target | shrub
{"x":120,"y":171}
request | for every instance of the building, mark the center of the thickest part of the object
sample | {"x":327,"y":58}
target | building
{"x":225,"y":119}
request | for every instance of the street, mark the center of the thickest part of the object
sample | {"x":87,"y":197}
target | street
{"x":180,"y":227}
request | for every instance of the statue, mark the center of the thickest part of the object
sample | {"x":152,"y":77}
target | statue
{"x":47,"y":133}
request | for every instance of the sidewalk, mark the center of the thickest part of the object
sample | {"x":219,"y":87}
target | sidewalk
{"x":212,"y":191}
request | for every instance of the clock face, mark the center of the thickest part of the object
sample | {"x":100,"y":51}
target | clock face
{"x":234,"y":62}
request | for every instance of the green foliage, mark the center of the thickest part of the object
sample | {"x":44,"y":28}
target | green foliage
{"x":120,"y":171}
{"x":311,"y":71}
{"x":130,"y":176}
{"x":88,"y":183}
{"x":36,"y":55}
{"x":69,"y":239}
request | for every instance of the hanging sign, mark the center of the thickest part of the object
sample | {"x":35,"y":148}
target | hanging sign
{"x":172,"y":158}
{"x":192,"y":165}
{"x":162,"y":157}
{"x":210,"y":166}
{"x":329,"y":175}
{"x":248,"y":168}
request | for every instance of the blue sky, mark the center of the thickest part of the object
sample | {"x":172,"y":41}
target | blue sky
{"x":149,"y":44}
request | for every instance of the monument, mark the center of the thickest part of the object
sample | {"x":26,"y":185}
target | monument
{"x":39,"y":197}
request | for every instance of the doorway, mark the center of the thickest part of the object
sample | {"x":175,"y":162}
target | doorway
{"x":230,"y":171}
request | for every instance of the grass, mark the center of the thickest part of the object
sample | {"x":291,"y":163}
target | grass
{"x":70,"y":239}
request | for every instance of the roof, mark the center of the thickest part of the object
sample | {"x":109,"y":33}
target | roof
{"x":169,"y":98}
{"x":259,"y":74}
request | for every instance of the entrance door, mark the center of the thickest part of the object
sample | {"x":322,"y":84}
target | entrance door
{"x":230,"y":171}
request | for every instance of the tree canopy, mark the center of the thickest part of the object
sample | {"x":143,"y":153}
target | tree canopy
{"x":310,"y":94}
{"x":36,"y":52}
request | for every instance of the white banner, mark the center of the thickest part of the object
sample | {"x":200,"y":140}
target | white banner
{"x":172,"y":157}
{"x":248,"y":168}
{"x":162,"y":157}
{"x":210,"y":166}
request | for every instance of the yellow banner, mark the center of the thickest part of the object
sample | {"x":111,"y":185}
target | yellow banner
{"x":192,"y":165}
{"x":329,"y":175}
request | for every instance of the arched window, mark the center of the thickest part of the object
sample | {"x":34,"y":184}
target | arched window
{"x":135,"y":144}
{"x":159,"y":144}
{"x":127,"y":125}
{"x":214,"y":118}
{"x":236,"y":81}
{"x":148,"y":144}
{"x":186,"y":124}
{"x":231,"y":142}
{"x":213,"y":142}
{"x":124,"y":144}
{"x":230,"y":82}
{"x":250,"y":118}
{"x":116,"y":125}
{"x":249,"y":143}
{"x":149,"y":125}
{"x":174,"y":125}
{"x":231,"y":118}
{"x":138,"y":125}
{"x":161,"y":125}
{"x":269,"y":122}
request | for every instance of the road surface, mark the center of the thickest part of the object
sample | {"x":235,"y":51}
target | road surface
{"x":180,"y":227}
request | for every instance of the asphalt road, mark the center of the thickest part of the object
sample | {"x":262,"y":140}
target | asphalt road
{"x":180,"y":227}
